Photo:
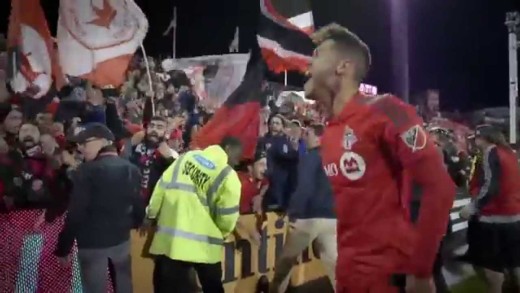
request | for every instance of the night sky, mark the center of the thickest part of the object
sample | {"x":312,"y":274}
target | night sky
{"x":457,"y":46}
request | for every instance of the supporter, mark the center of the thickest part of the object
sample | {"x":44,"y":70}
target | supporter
{"x":160,"y":90}
{"x":11,"y":125}
{"x":33,"y":197}
{"x":29,"y":178}
{"x":196,"y":205}
{"x":253,"y":183}
{"x":495,"y":209}
{"x":372,"y":140}
{"x":105,"y":204}
{"x":282,"y":157}
{"x":254,"y":187}
{"x":197,"y":120}
{"x":312,"y":211}
{"x":295,"y":131}
{"x":150,"y":152}
{"x":456,"y":161}
{"x":295,"y":134}
{"x":95,"y":105}
{"x":44,"y":121}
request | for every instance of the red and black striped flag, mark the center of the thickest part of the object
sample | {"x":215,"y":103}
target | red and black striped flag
{"x":239,"y":116}
{"x":283,"y":34}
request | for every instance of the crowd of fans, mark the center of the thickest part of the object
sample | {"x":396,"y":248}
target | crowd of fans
{"x":151,"y":125}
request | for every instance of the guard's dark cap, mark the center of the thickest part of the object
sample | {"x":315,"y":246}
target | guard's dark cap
{"x":92,"y":130}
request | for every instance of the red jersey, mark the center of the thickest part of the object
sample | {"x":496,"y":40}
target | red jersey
{"x":365,"y":151}
{"x":250,"y":188}
{"x":496,"y":186}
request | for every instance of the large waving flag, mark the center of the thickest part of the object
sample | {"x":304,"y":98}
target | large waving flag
{"x":239,"y":116}
{"x":97,"y":38}
{"x":31,"y":49}
{"x":283,"y":34}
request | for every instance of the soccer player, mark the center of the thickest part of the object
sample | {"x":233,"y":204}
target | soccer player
{"x":373,"y":141}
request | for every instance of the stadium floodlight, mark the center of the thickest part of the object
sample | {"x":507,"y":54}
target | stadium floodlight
{"x":513,"y":27}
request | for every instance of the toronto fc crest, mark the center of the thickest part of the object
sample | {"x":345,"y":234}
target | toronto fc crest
{"x":349,"y":138}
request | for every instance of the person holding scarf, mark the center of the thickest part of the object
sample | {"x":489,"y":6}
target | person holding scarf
{"x":28,"y":175}
{"x":32,"y":200}
{"x":150,"y":152}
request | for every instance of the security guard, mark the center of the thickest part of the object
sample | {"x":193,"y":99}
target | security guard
{"x":196,"y":206}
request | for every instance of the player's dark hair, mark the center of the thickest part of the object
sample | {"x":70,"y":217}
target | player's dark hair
{"x":318,"y":129}
{"x":230,"y":142}
{"x":348,"y":42}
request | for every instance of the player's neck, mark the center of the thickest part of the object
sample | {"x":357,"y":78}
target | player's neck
{"x":347,"y":91}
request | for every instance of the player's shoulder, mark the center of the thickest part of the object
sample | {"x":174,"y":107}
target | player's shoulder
{"x":387,"y":101}
{"x":394,"y":109}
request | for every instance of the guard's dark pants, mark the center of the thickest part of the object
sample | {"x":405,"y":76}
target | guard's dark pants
{"x":173,"y":276}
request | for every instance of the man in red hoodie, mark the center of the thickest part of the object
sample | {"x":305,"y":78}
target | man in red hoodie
{"x":369,"y":143}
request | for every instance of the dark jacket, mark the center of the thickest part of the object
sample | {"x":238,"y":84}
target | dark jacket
{"x":282,"y":160}
{"x":313,"y":195}
{"x":104,"y":206}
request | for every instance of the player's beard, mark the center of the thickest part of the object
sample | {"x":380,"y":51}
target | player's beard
{"x":152,"y":137}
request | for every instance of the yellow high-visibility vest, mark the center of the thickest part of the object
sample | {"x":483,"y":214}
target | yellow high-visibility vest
{"x":196,"y":205}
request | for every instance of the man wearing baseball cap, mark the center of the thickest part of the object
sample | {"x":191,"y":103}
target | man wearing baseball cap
{"x":93,"y":132}
{"x":105,"y":204}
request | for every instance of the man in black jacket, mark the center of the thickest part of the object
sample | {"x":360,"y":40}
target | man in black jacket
{"x":105,"y":205}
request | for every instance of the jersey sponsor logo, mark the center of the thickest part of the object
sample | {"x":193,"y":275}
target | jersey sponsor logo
{"x":352,"y":166}
{"x":204,"y":162}
{"x":349,"y":138}
{"x":197,"y":176}
{"x":331,"y":169}
{"x":415,"y":138}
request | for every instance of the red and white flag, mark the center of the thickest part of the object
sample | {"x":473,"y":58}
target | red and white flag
{"x":31,"y":49}
{"x":98,"y":38}
{"x":283,"y":34}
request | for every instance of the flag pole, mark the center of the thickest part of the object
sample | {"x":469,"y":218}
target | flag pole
{"x":149,"y":77}
{"x":174,"y":32}
{"x":285,"y":78}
